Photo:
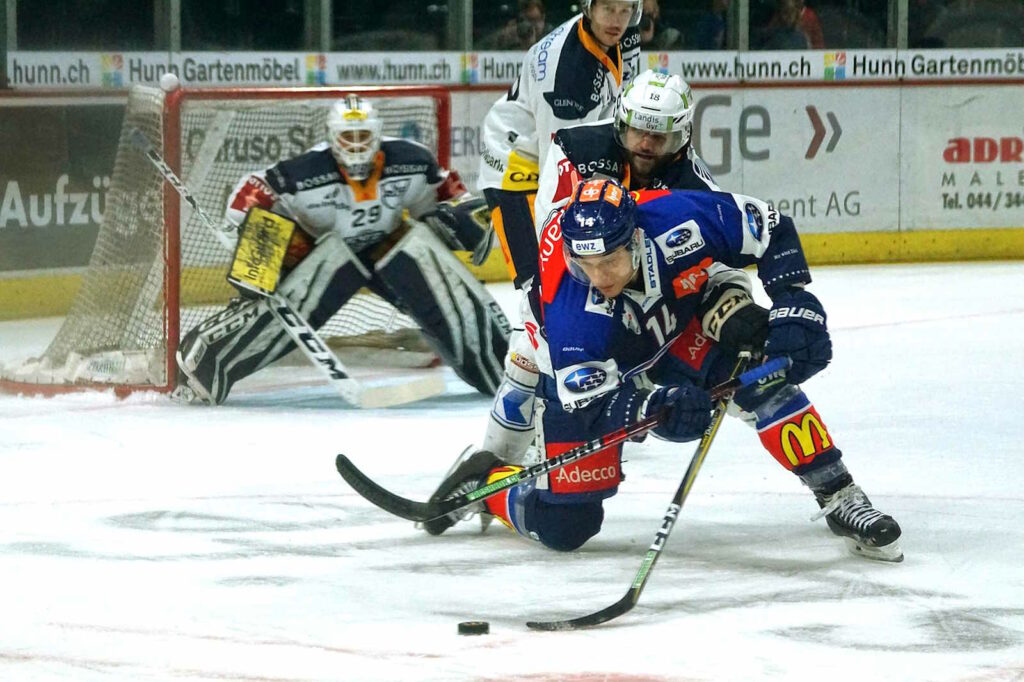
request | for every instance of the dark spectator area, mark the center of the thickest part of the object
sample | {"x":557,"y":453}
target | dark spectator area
{"x":513,"y":25}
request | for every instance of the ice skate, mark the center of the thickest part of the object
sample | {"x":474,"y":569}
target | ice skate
{"x":190,"y":390}
{"x":867,"y":531}
{"x":468,"y":472}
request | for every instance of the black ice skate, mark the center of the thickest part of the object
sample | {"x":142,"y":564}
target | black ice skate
{"x":189,"y":389}
{"x":468,"y":473}
{"x":867,"y":531}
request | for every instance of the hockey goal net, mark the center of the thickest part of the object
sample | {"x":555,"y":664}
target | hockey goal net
{"x":156,"y":272}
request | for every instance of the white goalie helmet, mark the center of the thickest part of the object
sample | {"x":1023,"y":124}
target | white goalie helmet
{"x":656,"y":103}
{"x":634,"y":19}
{"x":354,"y":130}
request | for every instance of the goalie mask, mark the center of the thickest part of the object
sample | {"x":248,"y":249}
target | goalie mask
{"x":354,"y":130}
{"x":660,"y":107}
{"x":599,"y":220}
{"x":638,"y":9}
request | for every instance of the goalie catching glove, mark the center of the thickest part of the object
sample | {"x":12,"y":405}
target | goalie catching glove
{"x":463,"y":224}
{"x":686,"y":412}
{"x":797,"y":329}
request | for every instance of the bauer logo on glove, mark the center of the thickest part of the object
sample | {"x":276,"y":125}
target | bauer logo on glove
{"x":262,"y":246}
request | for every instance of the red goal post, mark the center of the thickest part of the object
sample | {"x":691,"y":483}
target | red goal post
{"x":155,"y":272}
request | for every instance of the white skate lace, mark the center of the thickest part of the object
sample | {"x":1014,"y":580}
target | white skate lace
{"x":852,"y":506}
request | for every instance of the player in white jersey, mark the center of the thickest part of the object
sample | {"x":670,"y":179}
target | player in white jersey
{"x":347,"y":197}
{"x":572,"y":75}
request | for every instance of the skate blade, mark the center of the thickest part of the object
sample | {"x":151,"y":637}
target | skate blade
{"x":891,"y":553}
{"x":485,"y":522}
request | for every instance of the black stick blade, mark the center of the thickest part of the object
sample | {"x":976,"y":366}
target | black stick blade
{"x":603,"y":616}
{"x":383,"y":498}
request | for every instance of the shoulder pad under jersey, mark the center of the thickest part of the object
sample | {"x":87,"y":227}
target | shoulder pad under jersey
{"x":408,"y":157}
{"x":313,"y":168}
{"x":591,"y":148}
{"x":687,"y":172}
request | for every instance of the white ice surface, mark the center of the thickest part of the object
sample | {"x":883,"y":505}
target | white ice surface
{"x":140,"y":540}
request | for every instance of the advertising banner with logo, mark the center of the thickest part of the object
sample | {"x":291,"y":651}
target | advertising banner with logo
{"x":817,"y":154}
{"x":123,"y":69}
{"x":26,"y":70}
{"x":870,"y":159}
{"x":962,"y":157}
{"x":53,"y":182}
{"x":840,"y":65}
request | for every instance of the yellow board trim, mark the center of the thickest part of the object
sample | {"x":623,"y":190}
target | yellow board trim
{"x":51,"y":294}
{"x":923,"y":246}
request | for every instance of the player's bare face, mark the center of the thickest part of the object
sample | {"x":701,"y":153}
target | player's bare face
{"x":609,"y":20}
{"x":609,"y":272}
{"x":646,"y":149}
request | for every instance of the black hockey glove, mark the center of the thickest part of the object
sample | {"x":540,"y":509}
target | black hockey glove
{"x":796,"y":328}
{"x":463,"y":223}
{"x":687,"y":412}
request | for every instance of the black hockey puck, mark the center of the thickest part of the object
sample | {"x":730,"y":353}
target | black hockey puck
{"x":474,"y":627}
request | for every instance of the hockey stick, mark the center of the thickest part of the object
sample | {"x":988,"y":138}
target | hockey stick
{"x":632,"y":595}
{"x":297,"y":327}
{"x":771,"y":371}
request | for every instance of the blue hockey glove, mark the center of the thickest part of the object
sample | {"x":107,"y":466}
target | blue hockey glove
{"x":797,"y":329}
{"x":687,"y":412}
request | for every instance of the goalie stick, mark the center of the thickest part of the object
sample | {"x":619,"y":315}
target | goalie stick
{"x":297,"y":327}
{"x":771,"y":371}
{"x":632,"y":595}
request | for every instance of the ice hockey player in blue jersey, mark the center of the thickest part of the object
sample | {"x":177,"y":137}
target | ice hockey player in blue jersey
{"x":637,"y":310}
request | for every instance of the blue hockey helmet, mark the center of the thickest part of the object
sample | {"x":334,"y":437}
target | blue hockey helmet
{"x":600,"y":218}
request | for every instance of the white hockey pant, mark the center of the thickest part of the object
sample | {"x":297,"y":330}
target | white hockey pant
{"x":510,"y":429}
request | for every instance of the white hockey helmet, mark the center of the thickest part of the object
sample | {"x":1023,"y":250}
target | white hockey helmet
{"x":656,"y":103}
{"x":354,"y":130}
{"x":634,"y":19}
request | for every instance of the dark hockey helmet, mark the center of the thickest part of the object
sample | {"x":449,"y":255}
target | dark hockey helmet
{"x":600,"y":218}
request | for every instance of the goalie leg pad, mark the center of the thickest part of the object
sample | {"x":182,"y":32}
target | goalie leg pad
{"x":245,"y":337}
{"x":464,"y":323}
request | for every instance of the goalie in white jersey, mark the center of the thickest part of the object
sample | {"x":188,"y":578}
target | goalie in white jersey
{"x":347,"y":197}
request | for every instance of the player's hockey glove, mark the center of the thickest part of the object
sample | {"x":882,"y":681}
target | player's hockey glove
{"x":796,"y":328}
{"x":687,"y":412}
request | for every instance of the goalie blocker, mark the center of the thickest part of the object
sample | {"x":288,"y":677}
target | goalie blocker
{"x":418,"y":275}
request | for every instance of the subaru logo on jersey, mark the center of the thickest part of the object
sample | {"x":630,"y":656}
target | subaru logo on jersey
{"x":755,"y":221}
{"x":678,"y":236}
{"x":585,"y":379}
{"x":681,"y":240}
{"x":391,"y":193}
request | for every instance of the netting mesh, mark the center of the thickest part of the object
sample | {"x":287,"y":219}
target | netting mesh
{"x":119,"y":309}
{"x":119,"y":306}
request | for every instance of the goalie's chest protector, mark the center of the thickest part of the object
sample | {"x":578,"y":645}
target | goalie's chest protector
{"x":322,"y":199}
